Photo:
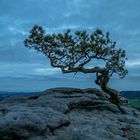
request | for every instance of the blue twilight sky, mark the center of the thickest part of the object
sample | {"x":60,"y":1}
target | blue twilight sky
{"x":25,"y":70}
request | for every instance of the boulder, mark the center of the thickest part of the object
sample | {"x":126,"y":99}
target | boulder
{"x":67,"y":114}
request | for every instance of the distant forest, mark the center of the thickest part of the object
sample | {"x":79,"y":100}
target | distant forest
{"x":127,"y":94}
{"x":131,"y":94}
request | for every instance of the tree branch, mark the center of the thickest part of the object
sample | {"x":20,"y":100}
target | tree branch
{"x":84,"y":70}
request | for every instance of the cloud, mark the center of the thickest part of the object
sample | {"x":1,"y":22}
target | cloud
{"x":17,"y":31}
{"x":133,"y":63}
{"x":119,"y":17}
{"x":46,"y":71}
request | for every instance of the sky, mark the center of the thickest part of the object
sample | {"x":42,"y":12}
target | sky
{"x":22,"y":69}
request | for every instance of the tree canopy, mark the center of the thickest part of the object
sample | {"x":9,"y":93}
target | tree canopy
{"x":74,"y":52}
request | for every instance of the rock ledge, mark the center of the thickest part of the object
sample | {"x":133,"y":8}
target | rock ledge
{"x":67,"y":114}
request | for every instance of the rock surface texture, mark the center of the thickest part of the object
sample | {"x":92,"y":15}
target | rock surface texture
{"x":67,"y":114}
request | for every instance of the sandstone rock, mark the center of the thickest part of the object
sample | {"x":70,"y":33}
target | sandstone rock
{"x":67,"y":114}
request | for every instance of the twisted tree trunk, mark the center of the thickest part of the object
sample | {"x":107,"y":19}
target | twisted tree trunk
{"x":114,"y":98}
{"x":102,"y":81}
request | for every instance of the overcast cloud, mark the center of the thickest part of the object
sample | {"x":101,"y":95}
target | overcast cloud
{"x":25,"y":70}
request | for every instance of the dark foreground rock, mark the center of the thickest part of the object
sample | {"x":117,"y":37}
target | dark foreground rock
{"x":67,"y":114}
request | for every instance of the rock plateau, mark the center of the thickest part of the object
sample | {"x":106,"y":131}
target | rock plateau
{"x":67,"y":114}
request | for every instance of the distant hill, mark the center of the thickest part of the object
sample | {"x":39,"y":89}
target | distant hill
{"x":4,"y":94}
{"x":126,"y":94}
{"x":131,"y":94}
